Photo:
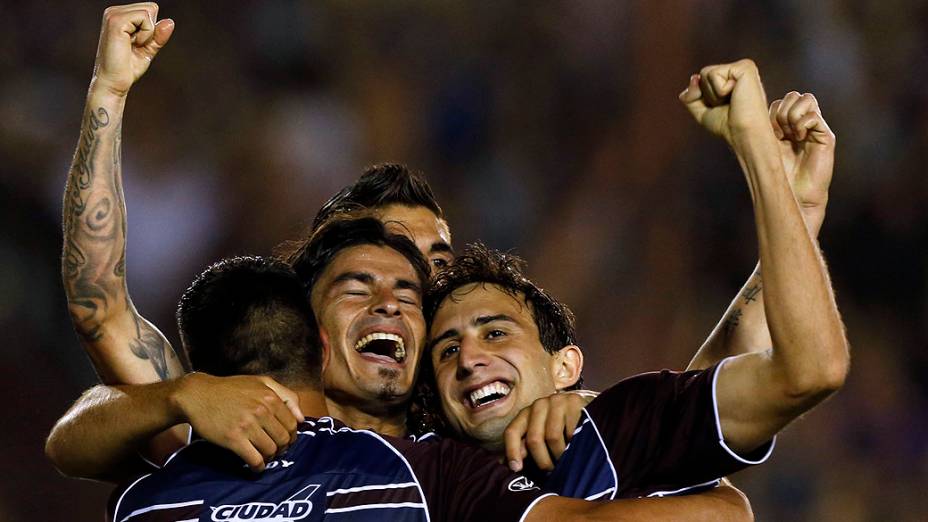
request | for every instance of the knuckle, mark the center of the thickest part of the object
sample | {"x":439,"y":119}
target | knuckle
{"x":534,"y":439}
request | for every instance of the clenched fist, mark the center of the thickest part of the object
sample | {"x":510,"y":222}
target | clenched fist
{"x":728,"y":100}
{"x":129,"y":40}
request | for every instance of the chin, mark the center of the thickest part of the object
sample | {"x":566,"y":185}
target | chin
{"x":489,"y":434}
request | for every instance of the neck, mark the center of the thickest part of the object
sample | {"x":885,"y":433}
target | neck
{"x":389,"y":422}
{"x":312,"y":402}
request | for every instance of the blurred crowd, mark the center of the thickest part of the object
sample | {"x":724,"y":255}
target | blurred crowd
{"x":551,"y":128}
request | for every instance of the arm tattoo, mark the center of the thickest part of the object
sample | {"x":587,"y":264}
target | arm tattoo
{"x":94,"y":253}
{"x":750,"y":293}
{"x":732,"y":321}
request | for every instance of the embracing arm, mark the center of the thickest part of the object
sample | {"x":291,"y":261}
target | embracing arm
{"x":759,"y":393}
{"x":124,"y":347}
{"x":102,"y":433}
{"x":722,"y":504}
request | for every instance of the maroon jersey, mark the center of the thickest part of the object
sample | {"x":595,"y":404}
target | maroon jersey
{"x":652,"y":434}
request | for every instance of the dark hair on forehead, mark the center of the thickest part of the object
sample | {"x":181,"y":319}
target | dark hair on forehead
{"x":249,"y":315}
{"x":480,"y":264}
{"x":379,"y":186}
{"x":310,"y":257}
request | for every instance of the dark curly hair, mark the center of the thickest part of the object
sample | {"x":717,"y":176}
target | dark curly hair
{"x":380,"y":185}
{"x":249,"y":315}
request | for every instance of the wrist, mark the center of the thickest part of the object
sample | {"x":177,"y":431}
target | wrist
{"x":180,"y":396}
{"x":105,"y":91}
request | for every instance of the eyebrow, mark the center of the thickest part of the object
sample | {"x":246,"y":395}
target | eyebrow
{"x":479,"y":321}
{"x":440,"y":247}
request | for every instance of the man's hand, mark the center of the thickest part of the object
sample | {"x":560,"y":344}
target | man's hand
{"x":129,"y":40}
{"x":727,"y":100}
{"x":807,"y":149}
{"x":544,"y":428}
{"x":255,"y":417}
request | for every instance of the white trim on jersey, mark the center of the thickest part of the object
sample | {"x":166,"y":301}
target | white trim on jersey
{"x":395,"y":505}
{"x":615,"y":476}
{"x":159,"y":507}
{"x":535,"y":503}
{"x":714,"y":482}
{"x":718,"y":422}
{"x":600,"y":494}
{"x":369,"y":488}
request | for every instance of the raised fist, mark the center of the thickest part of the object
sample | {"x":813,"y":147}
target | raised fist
{"x":807,"y":150}
{"x":728,"y":100}
{"x":129,"y":40}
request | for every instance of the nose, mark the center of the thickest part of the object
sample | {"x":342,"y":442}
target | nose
{"x":471,"y":356}
{"x":385,"y":304}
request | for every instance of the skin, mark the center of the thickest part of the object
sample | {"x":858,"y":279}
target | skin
{"x":429,"y":232}
{"x":369,"y":289}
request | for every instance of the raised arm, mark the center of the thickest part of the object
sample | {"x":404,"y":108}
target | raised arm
{"x":124,"y":347}
{"x":759,"y":393}
{"x":743,"y":327}
{"x":102,"y":434}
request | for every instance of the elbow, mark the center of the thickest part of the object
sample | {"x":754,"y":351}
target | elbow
{"x":824,"y":379}
{"x":56,"y":454}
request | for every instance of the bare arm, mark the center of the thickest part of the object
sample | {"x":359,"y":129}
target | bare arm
{"x":759,"y":393}
{"x":103,"y":432}
{"x":124,"y":347}
{"x":743,"y":327}
{"x":723,"y":504}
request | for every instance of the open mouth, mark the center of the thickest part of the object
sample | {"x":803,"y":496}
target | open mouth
{"x":488,"y":394}
{"x":382,"y":344}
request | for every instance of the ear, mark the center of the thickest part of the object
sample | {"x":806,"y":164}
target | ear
{"x":326,"y":350}
{"x":567,"y":365}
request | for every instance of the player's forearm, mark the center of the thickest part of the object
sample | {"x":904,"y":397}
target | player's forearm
{"x":809,"y":349}
{"x":109,"y":426}
{"x":742,"y":329}
{"x":724,"y":504}
{"x":122,"y":345}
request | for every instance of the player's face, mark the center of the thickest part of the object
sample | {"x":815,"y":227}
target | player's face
{"x":429,"y":232}
{"x":488,"y":359}
{"x":368,"y":305}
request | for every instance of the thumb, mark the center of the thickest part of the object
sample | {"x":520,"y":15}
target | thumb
{"x":692,"y":98}
{"x":160,"y":36}
{"x":290,"y":398}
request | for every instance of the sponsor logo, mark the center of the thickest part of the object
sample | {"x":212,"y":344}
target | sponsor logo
{"x":521,"y":484}
{"x":289,"y":510}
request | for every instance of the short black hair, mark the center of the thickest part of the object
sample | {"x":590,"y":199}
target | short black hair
{"x":379,"y":186}
{"x":310,"y":257}
{"x":480,"y":264}
{"x":249,"y":315}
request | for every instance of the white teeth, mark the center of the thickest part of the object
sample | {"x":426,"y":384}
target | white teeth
{"x":399,"y":354}
{"x":495,"y":387}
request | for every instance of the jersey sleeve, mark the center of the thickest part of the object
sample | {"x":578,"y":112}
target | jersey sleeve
{"x":473,"y":485}
{"x":663,"y":435}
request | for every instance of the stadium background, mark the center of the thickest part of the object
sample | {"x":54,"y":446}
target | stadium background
{"x":548,"y":127}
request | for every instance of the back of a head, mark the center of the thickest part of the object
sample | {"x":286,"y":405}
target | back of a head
{"x":249,"y":315}
{"x":379,"y":186}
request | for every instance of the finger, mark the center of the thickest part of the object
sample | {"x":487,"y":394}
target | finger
{"x":692,"y":98}
{"x":513,"y":439}
{"x":284,"y":418}
{"x":721,"y":84}
{"x":816,"y":128}
{"x":783,"y":113}
{"x":805,"y":104}
{"x":572,"y":419}
{"x":288,"y":396}
{"x":262,"y":442}
{"x":709,"y":96}
{"x":554,"y":430}
{"x":774,"y":107}
{"x":535,"y":435}
{"x":160,"y":36}
{"x":247,"y":453}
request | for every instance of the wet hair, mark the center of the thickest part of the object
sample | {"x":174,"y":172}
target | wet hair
{"x":379,"y":186}
{"x":310,"y":257}
{"x":480,"y":264}
{"x":249,"y":315}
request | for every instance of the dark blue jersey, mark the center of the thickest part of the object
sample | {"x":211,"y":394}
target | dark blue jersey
{"x":332,"y":472}
{"x":652,"y":434}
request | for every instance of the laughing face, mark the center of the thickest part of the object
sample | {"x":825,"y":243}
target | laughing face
{"x":368,"y":305}
{"x":489,"y":361}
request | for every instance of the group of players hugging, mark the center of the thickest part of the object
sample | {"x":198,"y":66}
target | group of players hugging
{"x":367,"y":371}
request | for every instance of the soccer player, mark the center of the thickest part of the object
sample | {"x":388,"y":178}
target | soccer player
{"x":250,"y":316}
{"x":498,"y":342}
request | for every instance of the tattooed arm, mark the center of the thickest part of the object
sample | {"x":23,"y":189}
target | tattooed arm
{"x":743,"y":327}
{"x":124,"y":347}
